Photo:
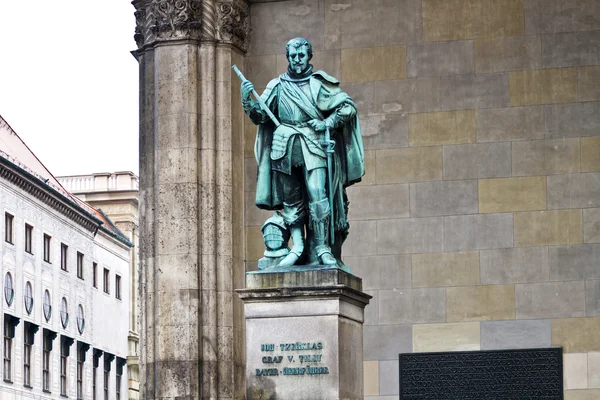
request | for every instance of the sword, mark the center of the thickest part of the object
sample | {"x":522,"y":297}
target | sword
{"x":328,"y":146}
{"x":257,"y":97}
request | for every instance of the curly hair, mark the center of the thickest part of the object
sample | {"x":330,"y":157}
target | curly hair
{"x":298,"y":42}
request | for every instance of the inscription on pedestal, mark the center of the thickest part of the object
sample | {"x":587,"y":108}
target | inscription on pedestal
{"x":299,"y":358}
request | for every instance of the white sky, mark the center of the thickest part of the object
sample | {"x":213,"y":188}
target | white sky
{"x":68,"y":83}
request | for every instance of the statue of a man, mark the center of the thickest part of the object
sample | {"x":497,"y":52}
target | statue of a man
{"x":292,"y":158}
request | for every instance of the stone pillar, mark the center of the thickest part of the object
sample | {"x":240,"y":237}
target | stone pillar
{"x":190,"y":176}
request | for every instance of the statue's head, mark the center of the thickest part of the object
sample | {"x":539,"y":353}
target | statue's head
{"x":298,"y":52}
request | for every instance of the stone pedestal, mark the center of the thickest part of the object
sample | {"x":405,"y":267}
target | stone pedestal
{"x":304,"y":334}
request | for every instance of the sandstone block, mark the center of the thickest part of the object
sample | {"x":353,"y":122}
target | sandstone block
{"x":406,"y":96}
{"x":261,"y":69}
{"x":445,"y":269}
{"x":437,"y":198}
{"x":472,"y":161}
{"x":385,"y":342}
{"x":500,"y":335}
{"x":543,"y":86}
{"x":591,"y":225}
{"x":412,"y":306}
{"x":255,"y":245}
{"x":546,"y":16}
{"x":590,"y":394}
{"x":576,"y":334}
{"x":575,"y":370}
{"x":477,"y":232}
{"x":574,"y":262}
{"x":550,"y":300}
{"x":362,"y":95}
{"x":462,"y":336}
{"x":516,"y":265}
{"x":254,"y":216}
{"x":574,"y":190}
{"x":371,"y":377}
{"x":470,"y":19}
{"x":542,"y":228}
{"x":474,"y":91}
{"x":376,"y":64}
{"x":388,"y":379}
{"x":372,"y":312}
{"x":452,"y":127}
{"x":510,"y":124}
{"x":480,"y":303}
{"x":570,"y":49}
{"x":590,"y":148}
{"x":573,"y":120}
{"x":416,"y":235}
{"x":408,"y":165}
{"x":508,"y":54}
{"x":384,"y":131}
{"x":370,"y":169}
{"x":362,"y":241}
{"x":378,"y":201}
{"x":546,"y":157}
{"x":594,"y":370}
{"x":589,"y":83}
{"x":382,"y":272}
{"x":592,"y":299}
{"x":438,"y":59}
{"x":250,"y":174}
{"x":512,"y":194}
{"x":389,"y":23}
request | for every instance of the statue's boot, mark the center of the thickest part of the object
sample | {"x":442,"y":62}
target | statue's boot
{"x":319,"y":223}
{"x":297,"y":246}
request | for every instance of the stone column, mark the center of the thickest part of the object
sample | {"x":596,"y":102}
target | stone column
{"x":191,"y":177}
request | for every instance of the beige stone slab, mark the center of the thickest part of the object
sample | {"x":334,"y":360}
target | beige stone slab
{"x":371,"y":377}
{"x":412,"y":306}
{"x":591,"y":225}
{"x":594,"y":369}
{"x":550,"y":300}
{"x":590,"y":154}
{"x":446,"y":337}
{"x":576,"y":335}
{"x":575,"y":371}
{"x":408,"y":165}
{"x":378,"y":201}
{"x":480,"y":303}
{"x":545,"y":16}
{"x":546,"y":157}
{"x":543,"y":86}
{"x":373,"y":64}
{"x":540,"y":228}
{"x":589,"y":83}
{"x":508,"y":54}
{"x":593,"y":394}
{"x":370,"y":171}
{"x":515,"y":265}
{"x":260,"y":70}
{"x":471,"y":19}
{"x":437,"y":128}
{"x":445,"y":269}
{"x":255,"y":245}
{"x":510,"y":124}
{"x":512,"y":194}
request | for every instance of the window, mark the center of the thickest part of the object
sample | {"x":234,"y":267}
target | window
{"x":46,"y":357}
{"x":106,"y":376}
{"x":106,"y":282}
{"x":9,"y":334}
{"x":8,"y":228}
{"x":28,"y":298}
{"x":47,"y":305}
{"x":95,"y":272}
{"x":29,"y":331}
{"x":47,"y":239}
{"x":80,"y":319}
{"x":28,"y":238}
{"x":120,"y":363}
{"x":80,"y":360}
{"x":64,"y":354}
{"x":94,"y":373}
{"x":117,"y":286}
{"x":9,"y":292}
{"x":64,"y":313}
{"x":64,"y":252}
{"x":79,"y":265}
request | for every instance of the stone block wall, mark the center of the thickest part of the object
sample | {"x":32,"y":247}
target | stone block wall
{"x":477,"y":225}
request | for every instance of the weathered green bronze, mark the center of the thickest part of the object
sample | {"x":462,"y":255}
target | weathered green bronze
{"x":309,"y":150}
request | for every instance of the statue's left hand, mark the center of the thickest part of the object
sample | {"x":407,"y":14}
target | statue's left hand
{"x":317,"y":125}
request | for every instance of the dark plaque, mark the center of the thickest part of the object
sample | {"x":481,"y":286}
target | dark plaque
{"x":531,"y":374}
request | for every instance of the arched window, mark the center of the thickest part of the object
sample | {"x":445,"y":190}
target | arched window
{"x":80,"y":319}
{"x":9,"y":292}
{"x":64,"y":313}
{"x":47,"y":305}
{"x":28,"y":298}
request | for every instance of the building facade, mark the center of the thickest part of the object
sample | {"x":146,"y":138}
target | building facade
{"x":116,"y":194}
{"x":65,"y":278}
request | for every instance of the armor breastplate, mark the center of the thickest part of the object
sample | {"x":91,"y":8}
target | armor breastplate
{"x":289,"y":112}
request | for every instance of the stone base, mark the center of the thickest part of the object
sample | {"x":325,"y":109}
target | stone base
{"x":304,"y":333}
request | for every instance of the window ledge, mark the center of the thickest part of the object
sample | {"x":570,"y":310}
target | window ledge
{"x":8,"y":381}
{"x":28,"y":386}
{"x":46,"y":391}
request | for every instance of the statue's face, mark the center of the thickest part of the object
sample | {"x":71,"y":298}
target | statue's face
{"x":298,"y":59}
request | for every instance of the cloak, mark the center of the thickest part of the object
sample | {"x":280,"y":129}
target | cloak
{"x":349,"y":166}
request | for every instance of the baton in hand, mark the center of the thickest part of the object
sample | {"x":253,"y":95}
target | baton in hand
{"x":257,"y":97}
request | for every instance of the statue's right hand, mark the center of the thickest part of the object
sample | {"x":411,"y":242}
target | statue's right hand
{"x":247,"y":88}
